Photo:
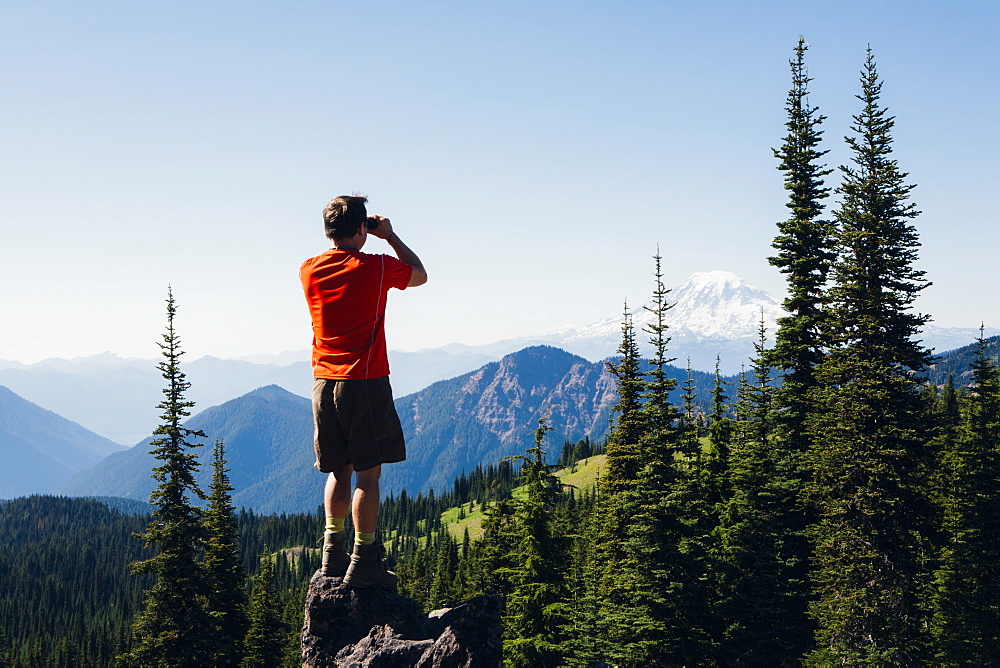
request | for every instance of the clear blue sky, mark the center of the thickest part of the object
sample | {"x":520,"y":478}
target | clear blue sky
{"x":533,"y":154}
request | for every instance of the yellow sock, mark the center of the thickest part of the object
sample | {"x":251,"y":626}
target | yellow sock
{"x":335,"y":524}
{"x":364,"y":537}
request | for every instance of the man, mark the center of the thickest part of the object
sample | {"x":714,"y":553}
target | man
{"x":356,"y":426}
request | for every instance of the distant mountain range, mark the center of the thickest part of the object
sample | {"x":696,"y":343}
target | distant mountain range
{"x":715,"y":314}
{"x":268,"y":439}
{"x":452,"y":425}
{"x":40,"y":450}
{"x":117,"y":397}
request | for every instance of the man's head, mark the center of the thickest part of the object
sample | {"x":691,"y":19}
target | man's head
{"x":344,"y":216}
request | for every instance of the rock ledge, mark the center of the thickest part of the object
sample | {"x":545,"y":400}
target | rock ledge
{"x":350,"y":628}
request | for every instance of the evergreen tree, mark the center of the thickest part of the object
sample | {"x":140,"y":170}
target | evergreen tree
{"x":174,"y":628}
{"x":869,"y":458}
{"x":535,"y":607}
{"x":616,"y":504}
{"x":966,"y":623}
{"x":624,"y":456}
{"x":948,"y":411}
{"x":223,"y":567}
{"x":494,"y":549}
{"x":761,"y":551}
{"x":720,"y":433}
{"x":262,"y":645}
{"x":660,"y":415}
{"x":442,"y":588}
{"x":668,"y":599}
{"x":805,"y":255}
{"x":585,"y":641}
{"x":664,"y":616}
{"x":689,"y":430}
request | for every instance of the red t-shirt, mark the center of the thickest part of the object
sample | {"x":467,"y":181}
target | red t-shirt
{"x":346,"y":292}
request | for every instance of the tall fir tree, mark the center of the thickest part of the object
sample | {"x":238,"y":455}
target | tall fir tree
{"x":868,"y":454}
{"x":536,"y":606}
{"x":174,"y":628}
{"x":624,"y":457}
{"x":660,"y":414}
{"x":223,"y":568}
{"x":689,"y":430}
{"x":720,"y":434}
{"x":966,"y":623}
{"x":805,"y":254}
{"x":493,"y":553}
{"x":616,"y":503}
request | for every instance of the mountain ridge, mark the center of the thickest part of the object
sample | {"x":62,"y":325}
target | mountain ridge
{"x":716,"y":314}
{"x":452,"y":425}
{"x":41,"y":449}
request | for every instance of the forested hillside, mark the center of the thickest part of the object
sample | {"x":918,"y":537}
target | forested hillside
{"x":67,"y":597}
{"x":959,"y":363}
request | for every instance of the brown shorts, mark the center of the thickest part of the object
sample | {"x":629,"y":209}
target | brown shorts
{"x":355,"y":423}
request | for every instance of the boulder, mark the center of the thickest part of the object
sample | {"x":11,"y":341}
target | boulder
{"x":350,"y":628}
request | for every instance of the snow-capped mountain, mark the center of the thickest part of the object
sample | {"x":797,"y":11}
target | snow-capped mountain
{"x":714,"y":313}
{"x":721,"y":305}
{"x":711,"y":305}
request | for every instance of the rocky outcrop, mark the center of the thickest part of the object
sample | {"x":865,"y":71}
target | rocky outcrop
{"x":351,"y":628}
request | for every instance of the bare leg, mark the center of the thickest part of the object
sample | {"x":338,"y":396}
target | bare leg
{"x":366,"y":499}
{"x":367,"y":563}
{"x":337,"y":498}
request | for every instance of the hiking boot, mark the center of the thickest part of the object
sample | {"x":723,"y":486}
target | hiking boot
{"x":368,"y":568}
{"x":335,"y":557}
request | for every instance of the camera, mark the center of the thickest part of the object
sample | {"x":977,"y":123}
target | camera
{"x":372,"y":223}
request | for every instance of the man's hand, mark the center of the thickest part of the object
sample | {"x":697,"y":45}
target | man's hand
{"x":384,"y":231}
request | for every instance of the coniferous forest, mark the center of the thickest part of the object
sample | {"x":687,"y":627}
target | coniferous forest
{"x":838,"y":505}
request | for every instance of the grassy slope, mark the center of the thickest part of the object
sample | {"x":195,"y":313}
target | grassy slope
{"x":582,"y":476}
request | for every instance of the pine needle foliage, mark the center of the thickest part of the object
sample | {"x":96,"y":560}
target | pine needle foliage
{"x":624,"y":455}
{"x":174,"y":628}
{"x":263,"y":642}
{"x":869,"y":457}
{"x":660,"y":614}
{"x":223,"y":568}
{"x":762,"y":553}
{"x":966,"y":623}
{"x":536,"y":606}
{"x":805,"y":252}
{"x":616,"y":503}
{"x":660,"y":415}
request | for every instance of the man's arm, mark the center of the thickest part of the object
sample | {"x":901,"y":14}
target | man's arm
{"x":403,"y":252}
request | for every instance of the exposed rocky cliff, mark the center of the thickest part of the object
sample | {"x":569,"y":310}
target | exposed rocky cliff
{"x":492,"y":412}
{"x":354,"y":628}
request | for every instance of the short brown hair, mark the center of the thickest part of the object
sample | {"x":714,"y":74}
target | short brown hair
{"x":344,"y":216}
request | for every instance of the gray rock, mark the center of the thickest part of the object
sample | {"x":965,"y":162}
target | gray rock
{"x":374,"y":627}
